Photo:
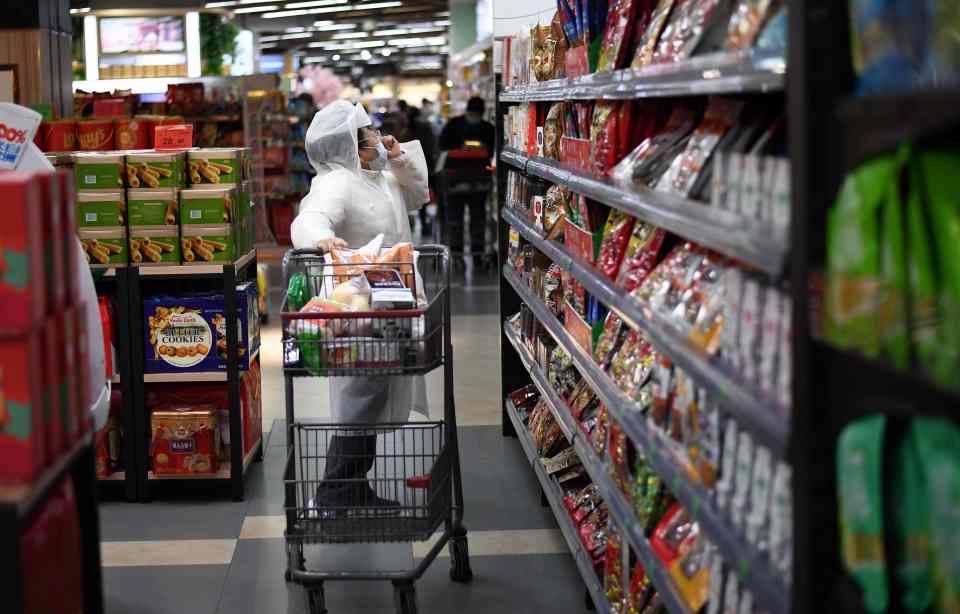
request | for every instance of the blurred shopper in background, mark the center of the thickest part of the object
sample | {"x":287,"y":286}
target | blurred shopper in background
{"x":468,"y":183}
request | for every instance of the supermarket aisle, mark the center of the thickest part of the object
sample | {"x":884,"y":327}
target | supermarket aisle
{"x":218,"y":556}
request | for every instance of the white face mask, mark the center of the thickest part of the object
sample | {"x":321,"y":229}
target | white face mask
{"x":380,"y":162}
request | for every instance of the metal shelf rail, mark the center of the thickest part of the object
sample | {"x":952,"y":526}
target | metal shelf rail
{"x":755,"y":243}
{"x":752,"y":409}
{"x":752,"y":567}
{"x":748,"y":71}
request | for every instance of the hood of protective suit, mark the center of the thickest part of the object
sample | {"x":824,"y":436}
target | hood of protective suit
{"x":331,"y":141}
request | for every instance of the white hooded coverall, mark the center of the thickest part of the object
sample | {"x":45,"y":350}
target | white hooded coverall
{"x":356,"y":205}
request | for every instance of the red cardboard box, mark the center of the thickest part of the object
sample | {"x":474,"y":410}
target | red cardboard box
{"x":22,"y":432}
{"x":54,"y":427}
{"x":71,"y":253}
{"x":22,"y":292}
{"x":53,"y":258}
{"x":81,"y":373}
{"x":70,"y":404}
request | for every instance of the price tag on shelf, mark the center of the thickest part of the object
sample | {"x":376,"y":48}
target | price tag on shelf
{"x":173,"y":136}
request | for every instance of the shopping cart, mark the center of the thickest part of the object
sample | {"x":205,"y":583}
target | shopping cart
{"x":413,"y":463}
{"x":464,"y":174}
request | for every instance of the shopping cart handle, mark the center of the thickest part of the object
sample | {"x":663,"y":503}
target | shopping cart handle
{"x":419,"y":481}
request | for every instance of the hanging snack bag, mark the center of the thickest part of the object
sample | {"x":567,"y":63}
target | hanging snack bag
{"x":639,"y":592}
{"x":731,"y":595}
{"x":553,"y":131}
{"x":641,"y":255}
{"x":648,"y":43}
{"x":609,"y":340}
{"x":616,"y":235}
{"x":554,"y":212}
{"x":747,"y":20}
{"x":691,"y":570}
{"x":717,"y":577}
{"x":719,"y":118}
{"x":757,"y":528}
{"x":613,"y":568}
{"x":604,"y":133}
{"x":654,"y":154}
{"x":860,"y":488}
{"x":743,"y":467}
{"x":687,"y":27}
{"x":616,"y":36}
{"x":672,"y":530}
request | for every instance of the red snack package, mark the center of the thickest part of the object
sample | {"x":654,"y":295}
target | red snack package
{"x":616,"y":235}
{"x":604,"y":136}
{"x":186,"y":440}
{"x":618,"y":456}
{"x":616,"y":36}
{"x":639,"y":592}
{"x":647,"y":44}
{"x":688,"y":23}
{"x":609,"y":340}
{"x":691,"y":569}
{"x":673,"y":529}
{"x":613,"y":568}
{"x":641,"y":255}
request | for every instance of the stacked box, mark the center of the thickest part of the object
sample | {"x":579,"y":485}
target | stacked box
{"x":22,"y":284}
{"x":208,"y":244}
{"x":216,"y":166}
{"x":209,"y":219}
{"x":155,"y":169}
{"x":101,"y":207}
{"x":155,"y":245}
{"x":23,"y":429}
{"x":99,"y":171}
{"x":153,"y":207}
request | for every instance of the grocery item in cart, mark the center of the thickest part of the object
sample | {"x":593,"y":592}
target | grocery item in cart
{"x":155,"y":169}
{"x":188,"y":333}
{"x":185,"y":440}
{"x":159,"y":207}
{"x":104,"y":248}
{"x":103,"y":208}
{"x":154,"y":245}
{"x":98,"y":171}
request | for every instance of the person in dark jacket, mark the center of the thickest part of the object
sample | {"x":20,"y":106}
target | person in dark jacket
{"x":467,"y":132}
{"x":420,"y":130}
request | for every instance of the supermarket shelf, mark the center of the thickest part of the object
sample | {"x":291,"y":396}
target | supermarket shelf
{"x":215,"y":118}
{"x":554,"y":496}
{"x":753,"y":567}
{"x":194,"y":376}
{"x":222,"y":474}
{"x":616,"y":502}
{"x":874,"y":125}
{"x":187,"y":270}
{"x":749,"y":71}
{"x":25,"y":498}
{"x":751,"y":242}
{"x":752,"y":409}
{"x":867,"y":386}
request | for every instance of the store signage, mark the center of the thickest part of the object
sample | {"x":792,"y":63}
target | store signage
{"x":18,"y":125}
{"x":173,"y":136}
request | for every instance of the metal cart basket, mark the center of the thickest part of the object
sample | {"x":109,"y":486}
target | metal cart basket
{"x":413,"y":466}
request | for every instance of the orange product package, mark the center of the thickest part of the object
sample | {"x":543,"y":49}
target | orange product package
{"x":59,"y":135}
{"x":22,"y":408}
{"x":95,"y":134}
{"x":186,"y":440}
{"x":131,"y":133}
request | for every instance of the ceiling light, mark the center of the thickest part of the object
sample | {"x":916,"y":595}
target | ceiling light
{"x":257,"y":9}
{"x":252,"y":1}
{"x":405,"y":31}
{"x":296,"y":35}
{"x":335,"y":26}
{"x":312,"y":3}
{"x":295,"y":29}
{"x":336,"y":57}
{"x":313,"y":59}
{"x":343,"y":46}
{"x":346,"y":35}
{"x":449,"y":83}
{"x":285,"y":14}
{"x":86,"y":9}
{"x":410,"y":42}
{"x":322,"y":23}
{"x":442,"y":22}
{"x":377,"y":5}
{"x":267,"y":39}
{"x":365,"y":54}
{"x":386,"y":52}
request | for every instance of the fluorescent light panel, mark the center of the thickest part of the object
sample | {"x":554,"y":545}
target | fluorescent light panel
{"x":257,"y":9}
{"x":405,"y":31}
{"x":347,"y":35}
{"x":296,"y":35}
{"x":335,"y":26}
{"x":312,"y":59}
{"x":85,"y":9}
{"x":312,"y":3}
{"x":90,"y":50}
{"x":192,"y":22}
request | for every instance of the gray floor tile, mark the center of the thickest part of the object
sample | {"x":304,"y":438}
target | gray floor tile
{"x":163,"y":590}
{"x":165,"y":520}
{"x":535,"y":584}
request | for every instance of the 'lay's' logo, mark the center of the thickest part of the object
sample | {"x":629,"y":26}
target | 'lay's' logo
{"x":12,"y":134}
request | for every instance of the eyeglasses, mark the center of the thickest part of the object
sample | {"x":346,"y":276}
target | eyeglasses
{"x":379,"y":138}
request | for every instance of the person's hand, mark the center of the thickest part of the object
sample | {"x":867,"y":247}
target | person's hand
{"x":393,"y":147}
{"x":328,"y":245}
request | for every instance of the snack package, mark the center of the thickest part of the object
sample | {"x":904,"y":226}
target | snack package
{"x":691,"y":570}
{"x":910,"y":522}
{"x":671,"y":531}
{"x":743,"y":481}
{"x":208,"y":244}
{"x":613,"y":568}
{"x":215,"y":165}
{"x":104,"y":248}
{"x":616,"y":235}
{"x":554,"y":212}
{"x":860,"y":493}
{"x":747,"y":20}
{"x":609,"y":340}
{"x":154,"y":245}
{"x":707,"y":439}
{"x":604,"y":136}
{"x":757,"y":517}
{"x":98,"y":171}
{"x":688,"y":24}
{"x":648,"y":43}
{"x":726,"y":485}
{"x":155,"y":169}
{"x":717,"y":578}
{"x":158,"y":207}
{"x":719,"y":118}
{"x":553,"y":131}
{"x":640,"y":589}
{"x":616,"y":36}
{"x":632,"y":364}
{"x":653,"y":155}
{"x":640,"y":257}
{"x":731,"y":595}
{"x":209,"y":206}
{"x":101,"y":209}
{"x":185,"y":440}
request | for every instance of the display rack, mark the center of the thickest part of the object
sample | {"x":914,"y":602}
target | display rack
{"x":260,"y":115}
{"x":116,"y":280}
{"x":470,"y":71}
{"x":758,"y":246}
{"x":19,"y":506}
{"x":147,"y":281}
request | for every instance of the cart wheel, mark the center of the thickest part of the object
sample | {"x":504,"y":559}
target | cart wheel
{"x":405,"y":597}
{"x":315,"y":600}
{"x":460,"y":557}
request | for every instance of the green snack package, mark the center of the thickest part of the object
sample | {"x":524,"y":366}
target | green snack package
{"x":153,"y":207}
{"x":208,"y":244}
{"x":854,"y":290}
{"x":937,"y":442}
{"x":939,"y":183}
{"x":104,"y":248}
{"x":891,"y":323}
{"x":860,"y":494}
{"x":98,"y":171}
{"x":298,"y":293}
{"x":101,"y":209}
{"x":155,"y":245}
{"x":911,"y":527}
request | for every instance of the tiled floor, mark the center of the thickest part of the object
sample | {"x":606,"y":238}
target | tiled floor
{"x":215,"y":556}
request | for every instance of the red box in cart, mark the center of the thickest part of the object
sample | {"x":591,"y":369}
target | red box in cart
{"x":22,"y":291}
{"x":23,"y":435}
{"x":71,"y":252}
{"x":53,"y":243}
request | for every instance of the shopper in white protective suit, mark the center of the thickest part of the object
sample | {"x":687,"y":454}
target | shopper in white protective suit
{"x":365,"y":185}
